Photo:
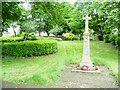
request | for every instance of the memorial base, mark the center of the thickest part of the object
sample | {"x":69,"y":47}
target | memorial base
{"x":94,"y":69}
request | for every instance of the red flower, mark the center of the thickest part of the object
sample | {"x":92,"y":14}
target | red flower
{"x":84,"y":67}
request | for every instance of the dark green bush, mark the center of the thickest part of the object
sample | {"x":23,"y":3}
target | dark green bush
{"x":112,"y":38}
{"x":117,"y":42}
{"x":29,"y":48}
{"x":107,"y":38}
{"x":29,"y":36}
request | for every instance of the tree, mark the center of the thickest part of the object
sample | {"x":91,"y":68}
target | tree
{"x":28,"y":26}
{"x":54,"y":13}
{"x":39,"y":25}
{"x":11,"y":12}
{"x":57,"y":30}
{"x":104,"y":16}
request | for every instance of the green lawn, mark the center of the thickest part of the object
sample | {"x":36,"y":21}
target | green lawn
{"x":47,"y":69}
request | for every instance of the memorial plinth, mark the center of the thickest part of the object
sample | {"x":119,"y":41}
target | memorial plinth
{"x":86,"y":51}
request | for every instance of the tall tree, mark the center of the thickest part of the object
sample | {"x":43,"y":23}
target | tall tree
{"x":11,"y":12}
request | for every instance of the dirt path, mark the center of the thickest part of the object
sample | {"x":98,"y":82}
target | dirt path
{"x":86,"y":80}
{"x":70,"y":79}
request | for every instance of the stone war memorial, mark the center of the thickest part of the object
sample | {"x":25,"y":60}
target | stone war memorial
{"x":86,"y":64}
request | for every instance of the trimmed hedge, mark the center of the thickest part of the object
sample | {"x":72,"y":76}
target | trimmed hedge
{"x":26,"y":36}
{"x":29,"y":48}
{"x":7,"y":40}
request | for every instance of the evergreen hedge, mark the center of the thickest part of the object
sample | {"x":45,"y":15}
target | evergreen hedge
{"x":7,"y":40}
{"x":29,"y":48}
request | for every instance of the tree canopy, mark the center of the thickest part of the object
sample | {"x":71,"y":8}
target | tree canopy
{"x":63,"y":17}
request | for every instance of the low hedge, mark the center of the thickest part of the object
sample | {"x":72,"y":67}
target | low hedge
{"x":7,"y":40}
{"x":29,"y":48}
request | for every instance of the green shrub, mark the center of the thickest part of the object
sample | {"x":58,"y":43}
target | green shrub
{"x":25,"y":36}
{"x":29,"y":36}
{"x":117,"y":42}
{"x":7,"y":40}
{"x":29,"y":48}
{"x":32,"y":36}
{"x":112,"y":38}
{"x":107,"y":38}
{"x":69,"y":36}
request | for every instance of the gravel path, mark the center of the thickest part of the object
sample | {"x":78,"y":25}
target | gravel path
{"x":70,"y":79}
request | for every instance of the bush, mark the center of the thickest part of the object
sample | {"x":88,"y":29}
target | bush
{"x":29,"y":48}
{"x":25,"y":36}
{"x":29,"y":36}
{"x":107,"y":38}
{"x":7,"y":40}
{"x":69,"y":36}
{"x":112,"y":38}
{"x":117,"y":42}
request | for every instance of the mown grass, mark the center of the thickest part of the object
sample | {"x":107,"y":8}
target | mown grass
{"x":47,"y":69}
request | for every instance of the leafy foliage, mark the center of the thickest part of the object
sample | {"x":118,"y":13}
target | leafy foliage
{"x":62,"y":17}
{"x":10,"y":12}
{"x":112,"y":38}
{"x":7,"y":40}
{"x":69,"y":36}
{"x":107,"y":38}
{"x":29,"y":36}
{"x":29,"y":48}
{"x":57,"y":30}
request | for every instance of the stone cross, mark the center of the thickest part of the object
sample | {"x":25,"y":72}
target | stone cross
{"x":86,"y":22}
{"x":86,"y":49}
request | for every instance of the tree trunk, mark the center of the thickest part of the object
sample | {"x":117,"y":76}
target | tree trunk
{"x":47,"y":33}
{"x":39,"y":33}
{"x":14,"y":31}
{"x":101,"y":36}
{"x":1,"y":33}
